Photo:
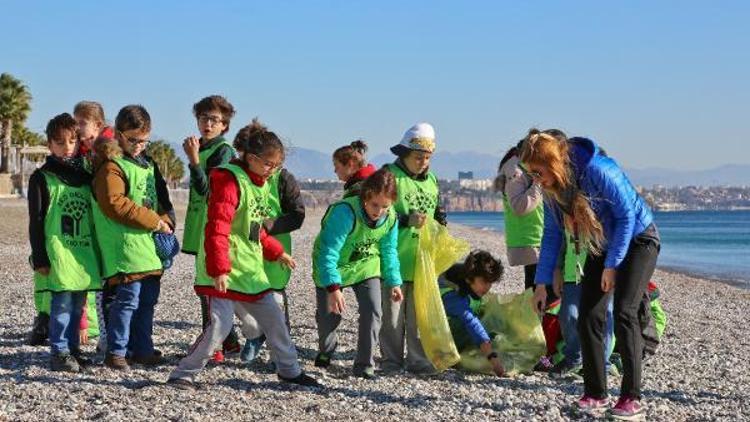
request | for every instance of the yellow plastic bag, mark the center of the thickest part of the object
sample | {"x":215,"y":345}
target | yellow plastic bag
{"x":438,"y":250}
{"x":519,"y":339}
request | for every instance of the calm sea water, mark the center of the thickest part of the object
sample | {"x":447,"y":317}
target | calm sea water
{"x":713,"y":244}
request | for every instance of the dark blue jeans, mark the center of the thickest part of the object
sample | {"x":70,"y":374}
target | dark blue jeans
{"x":131,"y":317}
{"x":64,"y":321}
{"x":568,"y":317}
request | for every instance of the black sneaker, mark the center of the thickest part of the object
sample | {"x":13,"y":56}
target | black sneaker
{"x":565,"y":369}
{"x":64,"y":362}
{"x":181,"y":383}
{"x":366,"y":372}
{"x":303,"y":380}
{"x":323,"y":360}
{"x":82,"y":360}
{"x":40,"y":332}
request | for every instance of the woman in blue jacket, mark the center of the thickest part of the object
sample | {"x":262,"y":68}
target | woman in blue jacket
{"x":588,"y":194}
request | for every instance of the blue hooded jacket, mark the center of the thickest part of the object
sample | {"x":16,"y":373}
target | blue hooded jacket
{"x":619,"y":208}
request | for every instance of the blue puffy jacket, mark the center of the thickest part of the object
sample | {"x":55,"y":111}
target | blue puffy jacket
{"x":621,"y":211}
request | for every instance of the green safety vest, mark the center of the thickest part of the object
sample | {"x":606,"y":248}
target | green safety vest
{"x":278,"y":274}
{"x":359,"y":257}
{"x":413,"y":196}
{"x":69,"y":239}
{"x":523,"y":230}
{"x":195,"y":217}
{"x":573,"y":264}
{"x":474,"y":304}
{"x":125,"y":249}
{"x":246,"y":254}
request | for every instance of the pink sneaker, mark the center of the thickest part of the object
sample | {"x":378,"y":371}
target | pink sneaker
{"x":218,"y":357}
{"x":627,"y":409}
{"x":588,"y":403}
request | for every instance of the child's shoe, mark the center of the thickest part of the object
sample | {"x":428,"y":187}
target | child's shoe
{"x":323,"y":360}
{"x":252,"y":347}
{"x":626,"y":409}
{"x":64,"y":362}
{"x":148,"y":360}
{"x":565,"y":369}
{"x":303,"y":380}
{"x":589,"y":404}
{"x":231,"y":349}
{"x":40,"y":331}
{"x":115,"y":362}
{"x":82,"y":360}
{"x":366,"y":372}
{"x":218,"y":357}
{"x":544,"y":365}
{"x":181,"y":383}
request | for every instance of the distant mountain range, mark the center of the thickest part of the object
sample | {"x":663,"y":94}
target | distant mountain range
{"x":311,"y":164}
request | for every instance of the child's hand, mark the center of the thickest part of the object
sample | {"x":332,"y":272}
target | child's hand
{"x":497,"y":367}
{"x":608,"y":279}
{"x":191,"y":145}
{"x":83,"y":336}
{"x":336,"y":303}
{"x":417,"y":219}
{"x":163,"y":227}
{"x":287,"y":261}
{"x":396,"y":294}
{"x":43,"y":270}
{"x":220,"y":283}
{"x":539,"y":300}
{"x":486,"y":348}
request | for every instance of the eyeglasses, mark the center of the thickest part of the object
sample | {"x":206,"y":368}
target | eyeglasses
{"x":270,"y":165}
{"x":207,"y":118}
{"x":136,"y":141}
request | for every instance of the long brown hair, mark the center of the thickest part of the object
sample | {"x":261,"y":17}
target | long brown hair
{"x":544,"y":149}
{"x":381,"y":182}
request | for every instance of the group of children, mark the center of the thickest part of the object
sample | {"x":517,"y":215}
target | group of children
{"x":101,"y":221}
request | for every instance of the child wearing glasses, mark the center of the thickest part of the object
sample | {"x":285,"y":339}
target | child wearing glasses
{"x":132,"y":202}
{"x":230,"y":269}
{"x":213,"y":115}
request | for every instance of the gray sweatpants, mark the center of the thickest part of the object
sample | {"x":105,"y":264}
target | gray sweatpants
{"x":281,"y":301}
{"x":399,"y":323}
{"x":370,"y":313}
{"x":262,"y":316}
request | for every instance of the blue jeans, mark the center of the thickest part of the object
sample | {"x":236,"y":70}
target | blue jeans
{"x":131,"y":318}
{"x":568,"y":317}
{"x":64,"y":321}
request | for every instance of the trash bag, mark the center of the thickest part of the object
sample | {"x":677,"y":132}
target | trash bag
{"x":437,"y":251}
{"x":516,"y":333}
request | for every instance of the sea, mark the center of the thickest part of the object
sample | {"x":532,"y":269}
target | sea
{"x":709,"y":244}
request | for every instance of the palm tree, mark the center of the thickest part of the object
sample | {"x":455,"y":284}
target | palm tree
{"x":15,"y":105}
{"x":170,"y":165}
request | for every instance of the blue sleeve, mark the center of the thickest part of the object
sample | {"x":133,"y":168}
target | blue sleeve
{"x":390,"y":267}
{"x":615,"y":188}
{"x":552,"y":242}
{"x":336,"y":229}
{"x":457,"y":306}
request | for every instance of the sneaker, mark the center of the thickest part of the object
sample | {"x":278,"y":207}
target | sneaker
{"x":366,"y":372}
{"x":588,"y":403}
{"x":64,"y":362}
{"x":251,"y":350}
{"x":82,"y":361}
{"x":616,"y":360}
{"x":612,"y":371}
{"x":115,"y":362}
{"x":323,"y":360}
{"x":218,"y":357}
{"x":231,"y":349}
{"x":626,"y":409}
{"x":303,"y":380}
{"x":40,"y":331}
{"x":149,"y":360}
{"x":181,"y":383}
{"x":544,"y":365}
{"x":565,"y":369}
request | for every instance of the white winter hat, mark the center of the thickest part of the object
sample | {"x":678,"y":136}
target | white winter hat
{"x":420,"y":137}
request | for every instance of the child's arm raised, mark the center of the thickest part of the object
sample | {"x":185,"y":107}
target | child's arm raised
{"x":38,"y":196}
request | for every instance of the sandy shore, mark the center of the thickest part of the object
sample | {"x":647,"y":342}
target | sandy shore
{"x":699,"y":373}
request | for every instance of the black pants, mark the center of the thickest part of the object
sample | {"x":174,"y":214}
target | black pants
{"x":631,"y":283}
{"x":529,"y":273}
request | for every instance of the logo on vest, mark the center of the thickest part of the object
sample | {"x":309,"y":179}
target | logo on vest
{"x":363,"y":250}
{"x":147,"y":187}
{"x":421,"y":201}
{"x":74,"y":209}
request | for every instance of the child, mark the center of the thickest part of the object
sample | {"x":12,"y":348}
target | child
{"x":357,"y":241}
{"x":285,"y":213}
{"x":588,"y":194}
{"x":61,"y":234}
{"x":230,"y":263}
{"x":213,"y":115}
{"x":351,"y":166}
{"x":418,"y":199}
{"x":462,"y":288}
{"x":132,"y":202}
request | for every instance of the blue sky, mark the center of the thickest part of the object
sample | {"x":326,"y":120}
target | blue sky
{"x":657,"y":83}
